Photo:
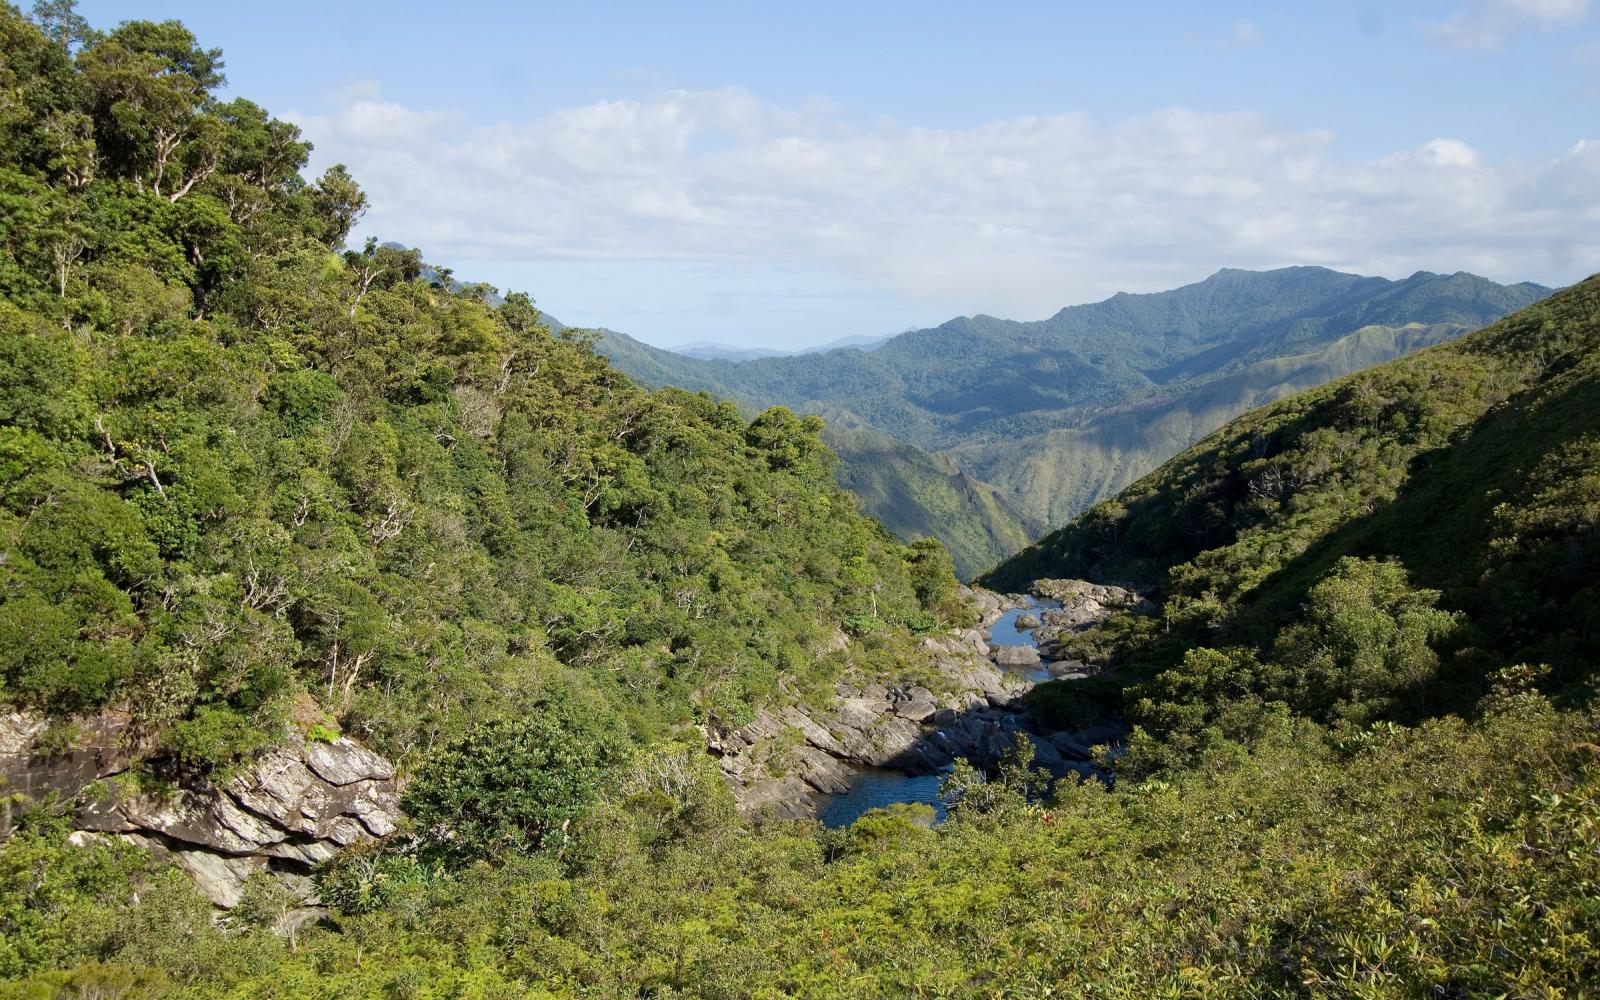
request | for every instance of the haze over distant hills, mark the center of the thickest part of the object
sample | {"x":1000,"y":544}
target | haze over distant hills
{"x":708,"y":350}
{"x":1029,"y":423}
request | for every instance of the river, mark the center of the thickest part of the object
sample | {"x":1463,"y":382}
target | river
{"x":875,"y":789}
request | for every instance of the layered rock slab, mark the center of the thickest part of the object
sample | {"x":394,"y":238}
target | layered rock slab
{"x":291,"y":809}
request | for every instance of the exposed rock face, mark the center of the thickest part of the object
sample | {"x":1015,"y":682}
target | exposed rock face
{"x":295,"y":807}
{"x":1016,"y":656}
{"x":780,"y":762}
{"x":28,"y":775}
{"x":1084,"y":604}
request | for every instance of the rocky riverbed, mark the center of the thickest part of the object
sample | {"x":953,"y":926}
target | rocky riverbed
{"x":307,"y":799}
{"x":784,"y":762}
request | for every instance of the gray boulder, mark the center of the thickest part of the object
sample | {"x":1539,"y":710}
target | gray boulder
{"x":1016,"y":656}
{"x":293,"y":808}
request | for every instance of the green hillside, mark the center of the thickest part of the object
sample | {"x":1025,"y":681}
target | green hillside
{"x":242,"y":468}
{"x":1061,"y":413}
{"x":918,"y":495}
{"x":1379,"y":547}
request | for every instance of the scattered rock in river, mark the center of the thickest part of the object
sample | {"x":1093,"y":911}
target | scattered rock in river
{"x":1016,"y":656}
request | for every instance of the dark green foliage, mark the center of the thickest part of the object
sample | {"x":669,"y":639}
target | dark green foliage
{"x":1061,"y":705}
{"x":238,"y":465}
{"x":1374,"y":549}
{"x":1365,"y":642}
{"x":514,"y":785}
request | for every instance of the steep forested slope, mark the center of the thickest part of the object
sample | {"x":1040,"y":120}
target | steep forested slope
{"x":1380,"y":547}
{"x":1063,"y":412}
{"x":242,"y":473}
{"x":918,"y":495}
{"x":242,"y":468}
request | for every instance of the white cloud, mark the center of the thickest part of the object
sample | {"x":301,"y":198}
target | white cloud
{"x":1017,"y":216}
{"x":1487,"y":24}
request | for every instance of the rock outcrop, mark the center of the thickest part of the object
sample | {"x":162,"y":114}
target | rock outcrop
{"x":782,"y":761}
{"x":1084,"y":604}
{"x":294,"y":807}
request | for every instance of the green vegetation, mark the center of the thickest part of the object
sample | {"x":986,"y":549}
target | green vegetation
{"x":1380,"y":548}
{"x":240,"y":465}
{"x":1453,"y":859}
{"x":514,"y":785}
{"x":1040,"y":420}
{"x":241,"y":469}
{"x":918,"y":495}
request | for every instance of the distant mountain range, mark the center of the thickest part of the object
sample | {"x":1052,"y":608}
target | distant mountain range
{"x":1021,"y":425}
{"x":709,"y":350}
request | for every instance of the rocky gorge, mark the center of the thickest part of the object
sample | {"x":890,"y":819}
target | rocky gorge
{"x":318,"y":792}
{"x":783,"y":763}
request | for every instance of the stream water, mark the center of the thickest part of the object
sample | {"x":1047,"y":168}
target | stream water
{"x":1005,"y":633}
{"x":877,"y":789}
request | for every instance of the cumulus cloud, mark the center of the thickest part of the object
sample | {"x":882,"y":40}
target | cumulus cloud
{"x":1487,"y":24}
{"x":1020,"y":214}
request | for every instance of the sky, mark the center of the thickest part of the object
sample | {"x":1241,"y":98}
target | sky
{"x":779,"y":175}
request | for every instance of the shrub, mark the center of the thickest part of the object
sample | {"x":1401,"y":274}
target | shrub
{"x":514,"y":785}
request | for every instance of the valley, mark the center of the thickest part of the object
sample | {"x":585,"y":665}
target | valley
{"x":365,"y":632}
{"x":984,"y":433}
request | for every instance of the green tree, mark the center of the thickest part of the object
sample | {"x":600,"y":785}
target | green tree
{"x":514,"y":786}
{"x":1366,"y":643}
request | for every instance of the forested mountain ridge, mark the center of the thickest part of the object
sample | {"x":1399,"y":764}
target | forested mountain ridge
{"x":241,"y":466}
{"x":1063,"y":471}
{"x":990,"y":377}
{"x":1378,"y":547}
{"x":1059,"y":413}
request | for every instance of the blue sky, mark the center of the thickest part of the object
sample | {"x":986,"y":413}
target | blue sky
{"x":782,"y":174}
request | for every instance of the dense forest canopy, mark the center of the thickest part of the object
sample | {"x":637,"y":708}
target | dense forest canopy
{"x":243,"y":464}
{"x":254,"y":481}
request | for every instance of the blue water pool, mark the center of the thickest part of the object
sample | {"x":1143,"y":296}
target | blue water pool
{"x":1005,"y":632}
{"x":876,"y":789}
